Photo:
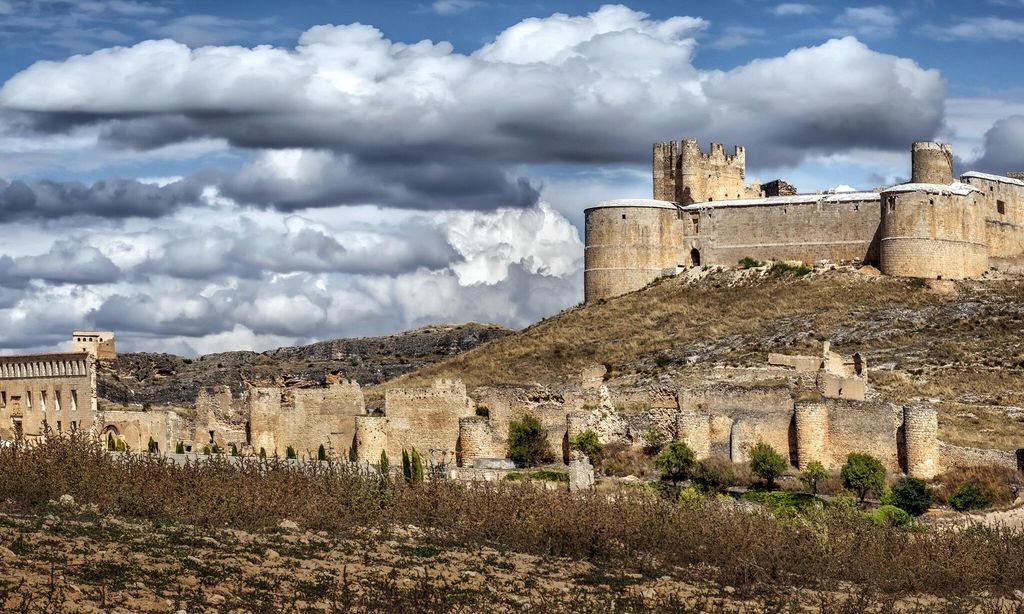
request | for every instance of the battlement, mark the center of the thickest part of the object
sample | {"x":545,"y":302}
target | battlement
{"x":684,"y":173}
{"x":691,"y":152}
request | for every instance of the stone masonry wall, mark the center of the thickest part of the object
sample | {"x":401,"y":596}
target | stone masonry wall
{"x":427,"y":419}
{"x":58,"y":390}
{"x":478,"y":439}
{"x":1003,"y":199}
{"x":136,"y":428}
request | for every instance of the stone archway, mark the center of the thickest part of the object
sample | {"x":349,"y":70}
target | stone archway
{"x":695,"y":257}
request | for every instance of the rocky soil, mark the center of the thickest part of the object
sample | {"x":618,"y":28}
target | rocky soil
{"x":165,"y":379}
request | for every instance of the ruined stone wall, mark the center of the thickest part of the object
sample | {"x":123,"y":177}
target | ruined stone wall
{"x":323,"y":416}
{"x":835,"y":228}
{"x":777,"y":187}
{"x":58,"y":390}
{"x":920,"y":436}
{"x":739,"y":418}
{"x":426,"y":419}
{"x":549,"y":407}
{"x":136,"y":428}
{"x":933,"y":231}
{"x":628,"y":247}
{"x":219,"y":418}
{"x":863,"y":427}
{"x":264,"y":420}
{"x":951,"y":457}
{"x":1003,"y":199}
{"x":812,"y":433}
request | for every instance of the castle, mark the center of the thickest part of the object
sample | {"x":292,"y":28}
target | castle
{"x":704,"y":213}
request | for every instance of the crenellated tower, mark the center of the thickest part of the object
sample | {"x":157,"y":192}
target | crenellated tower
{"x":685,"y":174}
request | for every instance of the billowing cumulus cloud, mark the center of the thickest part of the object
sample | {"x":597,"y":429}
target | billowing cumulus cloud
{"x":116,"y":198}
{"x":1004,"y":146}
{"x":599,"y":87}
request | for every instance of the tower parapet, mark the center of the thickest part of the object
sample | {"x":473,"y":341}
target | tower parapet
{"x":685,"y":174}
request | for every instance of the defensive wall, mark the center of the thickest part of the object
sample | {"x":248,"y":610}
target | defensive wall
{"x":703,"y":214}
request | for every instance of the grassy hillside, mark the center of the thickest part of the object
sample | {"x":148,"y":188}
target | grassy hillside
{"x":955,"y":343}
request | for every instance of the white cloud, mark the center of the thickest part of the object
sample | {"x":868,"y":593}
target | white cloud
{"x":793,"y":8}
{"x":453,"y":7}
{"x":984,"y":29}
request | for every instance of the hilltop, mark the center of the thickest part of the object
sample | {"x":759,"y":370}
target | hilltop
{"x":955,"y":344}
{"x":166,"y":379}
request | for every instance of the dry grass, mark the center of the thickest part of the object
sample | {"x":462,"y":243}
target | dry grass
{"x":963,"y":347}
{"x":638,"y":533}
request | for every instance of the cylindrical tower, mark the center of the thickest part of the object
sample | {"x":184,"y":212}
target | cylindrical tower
{"x":921,"y":436}
{"x":695,"y":430}
{"x":475,"y":440}
{"x":931,"y":163}
{"x":933,"y":231}
{"x":629,"y":244}
{"x":812,"y":434}
{"x":371,"y":438}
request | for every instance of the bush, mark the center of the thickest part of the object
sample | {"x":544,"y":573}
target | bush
{"x":290,"y":453}
{"x":180,"y":448}
{"x":675,"y":462}
{"x":998,"y":485}
{"x":152,"y":447}
{"x":799,"y":269}
{"x":783,"y":503}
{"x":863,"y":474}
{"x":384,"y":466}
{"x":111,"y":445}
{"x":540,"y":476}
{"x":690,"y":497}
{"x":968,"y":496}
{"x":353,"y":456}
{"x":528,"y":443}
{"x":416,"y":465}
{"x":406,"y":466}
{"x":263,"y":453}
{"x":621,"y":460}
{"x":654,"y":440}
{"x":587,"y":443}
{"x":812,"y":474}
{"x":749,"y":263}
{"x":766,"y":463}
{"x":890,"y":516}
{"x":234,"y":450}
{"x":911,"y":495}
{"x":321,"y":453}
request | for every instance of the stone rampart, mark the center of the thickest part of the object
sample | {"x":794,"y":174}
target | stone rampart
{"x":920,"y":436}
{"x":812,"y":429}
{"x":371,"y":438}
{"x":478,"y":439}
{"x":136,"y":428}
{"x":427,"y":419}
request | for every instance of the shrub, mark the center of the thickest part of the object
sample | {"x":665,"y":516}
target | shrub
{"x":353,"y":456}
{"x":541,"y":476}
{"x":384,"y":466}
{"x":290,"y":454}
{"x":783,"y":503}
{"x":863,"y":474}
{"x":321,"y":453}
{"x":690,"y":497}
{"x":890,"y":516}
{"x":234,"y":450}
{"x":968,"y":496}
{"x":911,"y":495}
{"x":206,"y":450}
{"x":151,"y":447}
{"x":528,"y":443}
{"x":799,"y":269}
{"x":709,"y":477}
{"x":406,"y":466}
{"x":812,"y":474}
{"x":749,"y":263}
{"x":416,"y":463}
{"x":215,"y":449}
{"x":766,"y":463}
{"x":621,"y":460}
{"x":110,"y":441}
{"x":263,"y":453}
{"x":675,"y":462}
{"x":654,"y":440}
{"x":587,"y":443}
{"x":180,"y":448}
{"x":998,"y":485}
{"x":120,"y":445}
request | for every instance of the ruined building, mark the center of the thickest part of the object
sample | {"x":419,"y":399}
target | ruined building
{"x":704,"y":213}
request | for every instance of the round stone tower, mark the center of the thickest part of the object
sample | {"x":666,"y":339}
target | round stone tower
{"x":695,"y":430}
{"x":933,"y":231}
{"x":371,"y":438}
{"x":811,"y":433}
{"x":629,"y":244}
{"x":921,"y":436}
{"x":931,"y":163}
{"x":474,"y":440}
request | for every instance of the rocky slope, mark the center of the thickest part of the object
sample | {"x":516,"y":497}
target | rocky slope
{"x":165,"y":379}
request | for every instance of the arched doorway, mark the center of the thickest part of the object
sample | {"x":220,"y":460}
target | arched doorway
{"x":694,"y":257}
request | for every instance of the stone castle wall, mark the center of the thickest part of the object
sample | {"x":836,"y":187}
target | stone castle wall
{"x":1004,"y":213}
{"x":136,"y":428}
{"x":427,"y":419}
{"x":58,"y":390}
{"x":478,"y":439}
{"x":684,"y":174}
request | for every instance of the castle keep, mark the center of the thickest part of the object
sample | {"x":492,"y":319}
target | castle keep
{"x":704,"y":213}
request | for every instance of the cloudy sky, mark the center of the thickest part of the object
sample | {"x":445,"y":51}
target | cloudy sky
{"x":202,"y":176}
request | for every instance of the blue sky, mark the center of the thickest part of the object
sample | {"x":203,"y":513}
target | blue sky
{"x":204,"y":176}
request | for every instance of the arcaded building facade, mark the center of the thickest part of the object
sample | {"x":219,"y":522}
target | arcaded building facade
{"x":704,"y":213}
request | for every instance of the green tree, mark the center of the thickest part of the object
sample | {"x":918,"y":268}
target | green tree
{"x":766,"y":463}
{"x":968,"y":496}
{"x":416,"y":461}
{"x":289,"y":453}
{"x":353,"y":456}
{"x":151,"y":447}
{"x":708,"y":477}
{"x":180,"y":448}
{"x":263,"y":452}
{"x":863,"y":474}
{"x":812,"y":474}
{"x":321,"y":453}
{"x":234,"y":450}
{"x":406,"y":466}
{"x":587,"y":443}
{"x":385,"y":465}
{"x":911,"y":495}
{"x":675,"y":462}
{"x":111,"y":445}
{"x":654,"y":440}
{"x":528,"y":443}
